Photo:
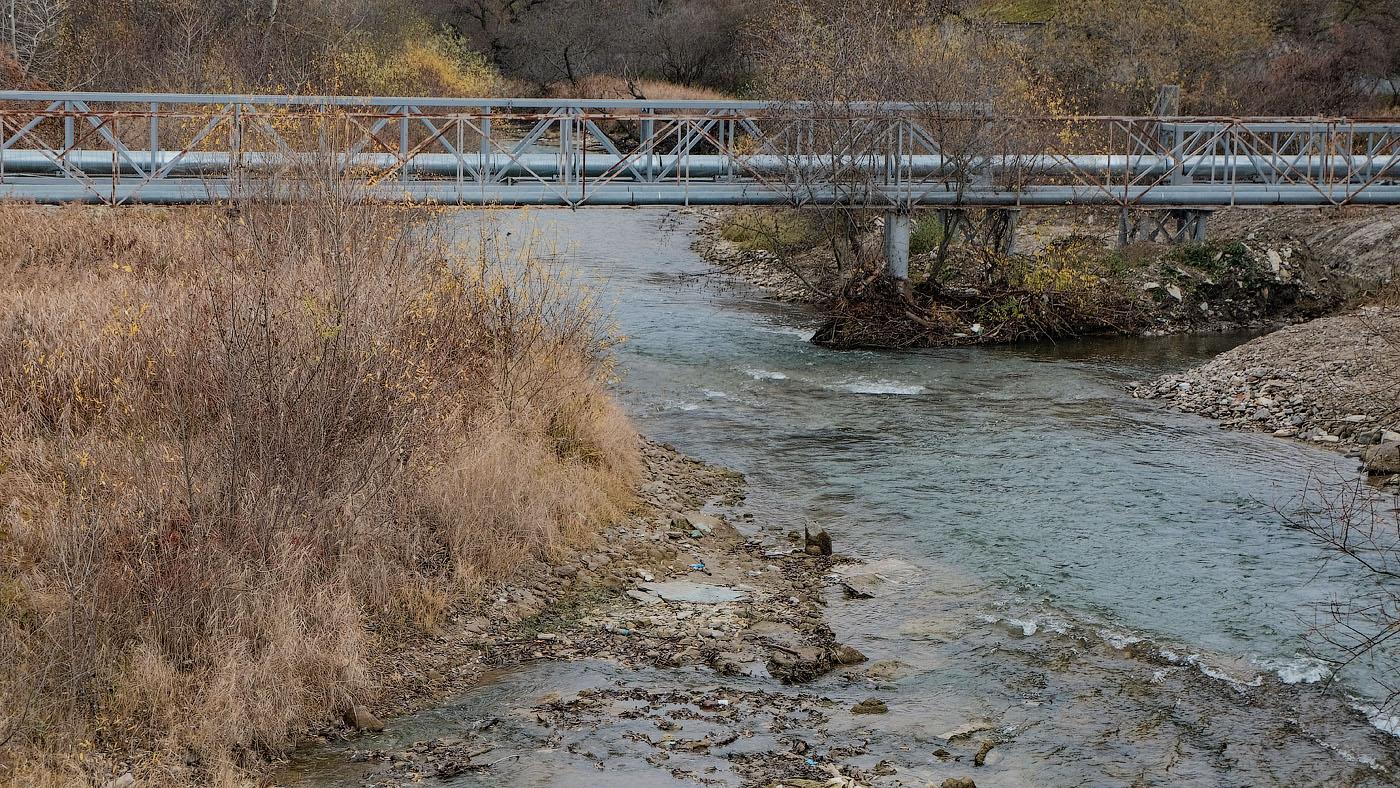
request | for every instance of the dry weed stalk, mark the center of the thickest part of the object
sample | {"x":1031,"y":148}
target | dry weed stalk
{"x":235,"y":438}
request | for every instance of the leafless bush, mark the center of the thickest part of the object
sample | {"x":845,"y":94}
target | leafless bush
{"x":1358,"y":530}
{"x":848,"y":80}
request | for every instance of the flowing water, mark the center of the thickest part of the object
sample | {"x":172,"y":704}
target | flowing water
{"x":1106,"y":583}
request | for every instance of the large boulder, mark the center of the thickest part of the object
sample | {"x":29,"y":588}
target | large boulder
{"x":1383,"y":458}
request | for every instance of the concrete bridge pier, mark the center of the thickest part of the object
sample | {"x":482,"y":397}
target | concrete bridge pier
{"x":897,"y":226}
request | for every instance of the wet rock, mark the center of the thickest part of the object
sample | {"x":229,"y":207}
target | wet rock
{"x":958,"y":782}
{"x":883,"y":769}
{"x":863,"y":581}
{"x":885,"y":670}
{"x":980,"y":758}
{"x":696,"y":521}
{"x":1383,"y":458}
{"x":963,"y":731}
{"x":361,"y":718}
{"x":800,"y":664}
{"x":729,"y":663}
{"x":847,"y":655}
{"x":870,"y":706}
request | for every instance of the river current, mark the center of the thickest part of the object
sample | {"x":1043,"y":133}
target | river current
{"x":1106,"y":583}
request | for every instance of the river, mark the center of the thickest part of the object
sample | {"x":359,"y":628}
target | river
{"x":1107,"y":583}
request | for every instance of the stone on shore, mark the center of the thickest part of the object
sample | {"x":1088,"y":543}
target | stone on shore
{"x":847,"y":655}
{"x":1325,"y":381}
{"x":870,"y":706}
{"x":694,"y":593}
{"x":696,"y":521}
{"x":361,"y":718}
{"x":1383,"y":458}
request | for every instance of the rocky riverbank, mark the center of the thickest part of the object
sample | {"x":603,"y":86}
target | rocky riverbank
{"x":672,"y":586}
{"x":757,"y":267}
{"x":1330,"y":382}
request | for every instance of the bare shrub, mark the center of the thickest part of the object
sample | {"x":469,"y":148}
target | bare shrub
{"x":235,"y":439}
{"x":1357,"y":527}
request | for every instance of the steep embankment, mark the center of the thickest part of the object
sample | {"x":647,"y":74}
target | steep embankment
{"x":246,"y":455}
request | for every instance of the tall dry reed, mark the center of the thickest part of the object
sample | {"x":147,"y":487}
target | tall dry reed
{"x":240,"y":445}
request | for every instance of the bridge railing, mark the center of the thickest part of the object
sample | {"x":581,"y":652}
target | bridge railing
{"x":114,"y":148}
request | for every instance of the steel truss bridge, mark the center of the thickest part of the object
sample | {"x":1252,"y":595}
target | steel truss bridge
{"x":1164,"y":174}
{"x":179,"y":148}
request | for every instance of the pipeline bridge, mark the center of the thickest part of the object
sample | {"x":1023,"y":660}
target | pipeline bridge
{"x":1164,"y":173}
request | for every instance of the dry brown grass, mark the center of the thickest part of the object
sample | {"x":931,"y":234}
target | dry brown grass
{"x":605,"y":86}
{"x":234,"y":441}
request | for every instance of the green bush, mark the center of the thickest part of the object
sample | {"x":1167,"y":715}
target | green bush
{"x":1215,"y":258}
{"x":926,"y":235}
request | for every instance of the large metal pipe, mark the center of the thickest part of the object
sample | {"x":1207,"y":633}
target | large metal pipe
{"x":599,"y":165}
{"x":186,"y":191}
